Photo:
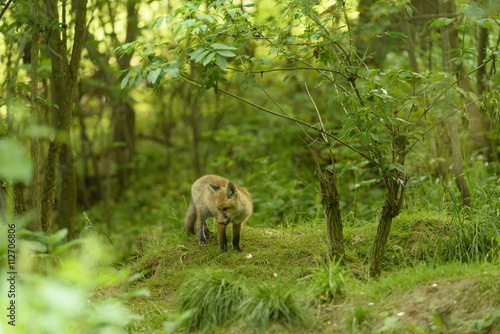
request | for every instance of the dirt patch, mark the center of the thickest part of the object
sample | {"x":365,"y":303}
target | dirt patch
{"x":445,"y":305}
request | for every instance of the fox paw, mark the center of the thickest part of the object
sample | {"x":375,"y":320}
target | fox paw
{"x":203,"y":242}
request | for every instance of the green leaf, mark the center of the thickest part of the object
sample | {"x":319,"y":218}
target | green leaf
{"x":202,"y":56}
{"x":290,"y":75}
{"x":173,"y":71}
{"x":441,"y":22}
{"x":201,"y":91}
{"x":409,"y":10}
{"x":125,"y":80}
{"x":365,"y":138}
{"x":221,"y":62}
{"x":484,"y":23}
{"x":220,"y":46}
{"x":394,"y":34}
{"x":225,"y":53}
{"x":137,"y":79}
{"x":14,"y":164}
{"x":156,"y":22}
{"x":196,"y":53}
{"x":208,"y":58}
{"x":153,"y":75}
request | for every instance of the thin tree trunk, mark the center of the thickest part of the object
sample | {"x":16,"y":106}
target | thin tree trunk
{"x":482,"y":87}
{"x":458,"y":168}
{"x":389,"y":211}
{"x":123,"y":113}
{"x":36,"y":188}
{"x":411,"y":45}
{"x":452,"y":121}
{"x":330,"y":200}
{"x":481,"y":56}
{"x":195,"y":127}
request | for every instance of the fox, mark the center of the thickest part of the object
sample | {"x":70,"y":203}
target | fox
{"x":216,"y":196}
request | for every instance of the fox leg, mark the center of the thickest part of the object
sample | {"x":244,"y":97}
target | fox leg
{"x":221,"y":235}
{"x":236,"y":237}
{"x":204,"y":216}
{"x":202,"y":228}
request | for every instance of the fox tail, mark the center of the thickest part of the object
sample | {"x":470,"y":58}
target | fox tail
{"x":190,"y":218}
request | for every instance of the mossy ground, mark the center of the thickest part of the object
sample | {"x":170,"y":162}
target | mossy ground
{"x":414,"y":294}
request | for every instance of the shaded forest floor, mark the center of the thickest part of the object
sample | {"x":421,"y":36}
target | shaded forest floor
{"x":416,"y":293}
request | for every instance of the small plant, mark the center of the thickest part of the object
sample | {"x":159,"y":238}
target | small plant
{"x":267,"y":304}
{"x":326,"y":282}
{"x":358,"y":316}
{"x":213,"y":299}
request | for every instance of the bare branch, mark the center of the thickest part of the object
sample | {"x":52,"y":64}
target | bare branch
{"x":199,"y":84}
{"x":5,"y":8}
{"x":317,"y":113}
{"x":298,"y":68}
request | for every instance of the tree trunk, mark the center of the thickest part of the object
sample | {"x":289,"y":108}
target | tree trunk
{"x":458,"y":168}
{"x":481,"y":88}
{"x":452,"y":121}
{"x":479,"y":126}
{"x":19,"y":203}
{"x":389,"y":211}
{"x":124,"y":140}
{"x":64,"y":80}
{"x":123,"y":113}
{"x":65,"y":217}
{"x":36,"y":188}
{"x":481,"y":56}
{"x":195,"y":127}
{"x":330,"y":200}
{"x":411,"y":44}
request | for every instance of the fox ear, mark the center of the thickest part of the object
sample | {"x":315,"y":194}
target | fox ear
{"x":215,"y":188}
{"x":231,"y":190}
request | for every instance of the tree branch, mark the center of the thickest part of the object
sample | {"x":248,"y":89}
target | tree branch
{"x":5,"y":8}
{"x":199,"y":84}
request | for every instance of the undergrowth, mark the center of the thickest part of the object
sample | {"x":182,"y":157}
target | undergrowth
{"x":212,"y":298}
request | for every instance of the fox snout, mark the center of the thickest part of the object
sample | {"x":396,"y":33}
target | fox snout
{"x":223,"y":217}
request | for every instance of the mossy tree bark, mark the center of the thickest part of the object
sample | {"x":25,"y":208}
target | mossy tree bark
{"x":36,"y":188}
{"x":391,"y":208}
{"x":64,"y":79}
{"x":330,"y":200}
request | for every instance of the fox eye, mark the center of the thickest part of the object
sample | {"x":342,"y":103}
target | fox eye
{"x":225,"y":209}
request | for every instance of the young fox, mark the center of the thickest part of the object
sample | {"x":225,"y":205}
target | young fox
{"x":215,"y":196}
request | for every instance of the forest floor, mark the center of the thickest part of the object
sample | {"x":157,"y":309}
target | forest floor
{"x":415,"y":294}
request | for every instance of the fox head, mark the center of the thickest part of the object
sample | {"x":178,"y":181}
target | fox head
{"x":226,"y":202}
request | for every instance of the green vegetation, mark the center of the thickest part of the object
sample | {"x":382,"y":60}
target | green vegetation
{"x":366,"y":132}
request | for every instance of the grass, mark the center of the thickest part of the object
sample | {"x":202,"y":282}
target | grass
{"x":212,"y":298}
{"x":277,"y":303}
{"x":258,"y":290}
